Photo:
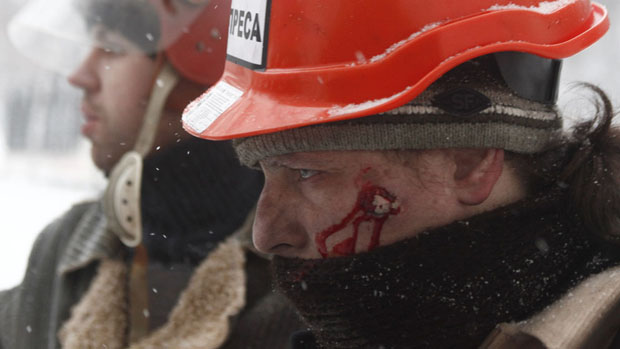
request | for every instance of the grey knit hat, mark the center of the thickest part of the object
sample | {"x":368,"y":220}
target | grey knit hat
{"x":468,"y":107}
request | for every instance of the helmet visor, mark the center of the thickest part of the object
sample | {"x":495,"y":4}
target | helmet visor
{"x":58,"y":34}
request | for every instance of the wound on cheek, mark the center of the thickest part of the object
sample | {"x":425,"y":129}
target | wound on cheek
{"x":374,"y":204}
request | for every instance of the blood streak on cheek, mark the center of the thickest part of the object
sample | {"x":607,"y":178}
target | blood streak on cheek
{"x":374,"y":204}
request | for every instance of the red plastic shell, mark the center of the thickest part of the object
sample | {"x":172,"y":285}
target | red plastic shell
{"x":199,"y":53}
{"x":341,"y":59}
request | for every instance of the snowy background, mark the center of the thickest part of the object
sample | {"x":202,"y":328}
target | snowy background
{"x":45,"y":165}
{"x":44,"y":162}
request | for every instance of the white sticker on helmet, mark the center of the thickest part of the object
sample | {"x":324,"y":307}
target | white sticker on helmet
{"x":247,"y":33}
{"x":203,"y":111}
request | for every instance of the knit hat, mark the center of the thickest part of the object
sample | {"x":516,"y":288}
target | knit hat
{"x":469,"y":107}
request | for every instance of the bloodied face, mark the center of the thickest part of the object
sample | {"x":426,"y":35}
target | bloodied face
{"x":322,"y":204}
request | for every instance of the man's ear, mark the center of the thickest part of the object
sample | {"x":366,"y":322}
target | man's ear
{"x":476,"y":173}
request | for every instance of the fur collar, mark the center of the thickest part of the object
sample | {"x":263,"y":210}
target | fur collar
{"x":215,"y":293}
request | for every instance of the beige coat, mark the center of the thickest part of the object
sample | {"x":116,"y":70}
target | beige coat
{"x":588,"y":316}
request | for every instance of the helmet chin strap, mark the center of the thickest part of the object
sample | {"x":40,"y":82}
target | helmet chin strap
{"x":121,"y":200}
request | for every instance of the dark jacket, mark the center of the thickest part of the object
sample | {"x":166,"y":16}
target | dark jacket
{"x":196,"y":201}
{"x":67,"y":256}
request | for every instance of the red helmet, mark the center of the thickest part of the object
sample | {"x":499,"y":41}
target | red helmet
{"x":191,"y":33}
{"x":297,"y":63}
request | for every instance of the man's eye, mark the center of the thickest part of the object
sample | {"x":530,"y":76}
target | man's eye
{"x":305,"y":173}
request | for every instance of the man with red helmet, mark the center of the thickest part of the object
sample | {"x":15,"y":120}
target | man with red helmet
{"x":419,"y":188}
{"x":161,"y":260}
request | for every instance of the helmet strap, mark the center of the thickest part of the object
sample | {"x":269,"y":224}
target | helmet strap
{"x":166,"y":80}
{"x":138,"y":295}
{"x":121,"y":200}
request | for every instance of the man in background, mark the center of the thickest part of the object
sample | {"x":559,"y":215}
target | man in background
{"x":161,"y":260}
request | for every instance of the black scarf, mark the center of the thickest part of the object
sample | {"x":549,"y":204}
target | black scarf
{"x":194,"y":195}
{"x":448,"y":287}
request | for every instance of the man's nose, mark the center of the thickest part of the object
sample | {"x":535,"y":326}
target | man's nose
{"x":85,"y":76}
{"x":277,"y":229}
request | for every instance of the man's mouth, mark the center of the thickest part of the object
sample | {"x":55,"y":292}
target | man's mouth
{"x":91,"y":118}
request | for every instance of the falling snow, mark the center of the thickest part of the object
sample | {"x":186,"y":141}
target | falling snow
{"x":544,"y":7}
{"x":402,"y":42}
{"x":352,"y":108}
